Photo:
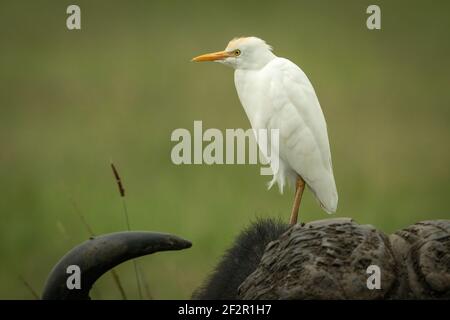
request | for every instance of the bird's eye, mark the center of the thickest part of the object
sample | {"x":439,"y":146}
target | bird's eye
{"x":237,"y":52}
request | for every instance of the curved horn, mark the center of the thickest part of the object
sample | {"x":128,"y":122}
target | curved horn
{"x":96,"y":256}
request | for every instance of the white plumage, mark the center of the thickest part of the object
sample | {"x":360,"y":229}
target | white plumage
{"x":277,"y":94}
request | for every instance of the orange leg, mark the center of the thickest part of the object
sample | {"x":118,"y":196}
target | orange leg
{"x":300,"y":186}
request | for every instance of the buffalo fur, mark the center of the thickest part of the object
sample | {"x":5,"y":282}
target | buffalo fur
{"x":240,"y":260}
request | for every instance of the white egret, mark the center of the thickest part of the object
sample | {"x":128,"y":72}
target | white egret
{"x":277,"y":94}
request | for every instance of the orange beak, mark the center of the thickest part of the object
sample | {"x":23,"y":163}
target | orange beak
{"x":212,"y":56}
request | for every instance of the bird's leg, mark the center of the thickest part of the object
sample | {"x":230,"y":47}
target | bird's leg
{"x":300,"y":186}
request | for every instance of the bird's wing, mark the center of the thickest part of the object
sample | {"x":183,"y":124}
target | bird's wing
{"x":303,"y":130}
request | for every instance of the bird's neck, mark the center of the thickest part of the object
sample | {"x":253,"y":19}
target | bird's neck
{"x":258,"y":62}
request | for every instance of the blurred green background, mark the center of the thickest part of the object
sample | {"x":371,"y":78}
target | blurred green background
{"x":71,"y":101}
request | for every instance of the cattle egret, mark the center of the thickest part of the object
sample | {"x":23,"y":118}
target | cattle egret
{"x":277,"y":94}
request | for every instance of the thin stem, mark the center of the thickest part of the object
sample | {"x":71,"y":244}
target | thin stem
{"x":118,"y":284}
{"x":125,"y":211}
{"x":136,"y":271}
{"x":29,"y":287}
{"x":82,"y":218}
{"x":92,"y":234}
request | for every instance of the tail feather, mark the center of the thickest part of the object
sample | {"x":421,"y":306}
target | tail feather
{"x":326,"y":194}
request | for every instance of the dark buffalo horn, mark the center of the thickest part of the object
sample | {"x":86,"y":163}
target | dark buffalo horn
{"x":100,"y":254}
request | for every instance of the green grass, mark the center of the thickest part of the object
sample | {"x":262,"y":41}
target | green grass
{"x":70,"y":101}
